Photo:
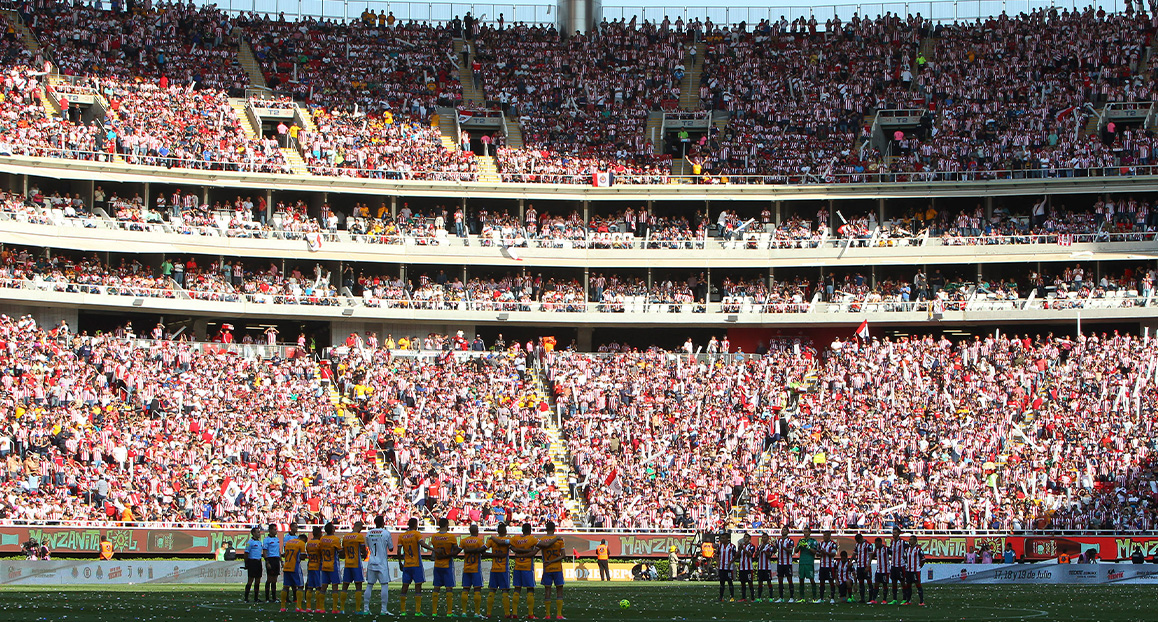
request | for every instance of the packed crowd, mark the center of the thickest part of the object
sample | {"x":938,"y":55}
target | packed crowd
{"x":1004,"y":432}
{"x":383,"y":147}
{"x":799,"y":96}
{"x":187,"y":44}
{"x":106,"y":427}
{"x":582,"y":101}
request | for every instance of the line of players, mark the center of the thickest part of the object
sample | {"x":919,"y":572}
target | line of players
{"x":334,"y":563}
{"x":898,"y":563}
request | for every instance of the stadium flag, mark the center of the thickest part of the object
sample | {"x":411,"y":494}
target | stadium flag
{"x":1065,"y":239}
{"x":314,"y":240}
{"x":603,"y":179}
{"x":1061,"y":116}
{"x":863,"y":331}
{"x":612,"y":481}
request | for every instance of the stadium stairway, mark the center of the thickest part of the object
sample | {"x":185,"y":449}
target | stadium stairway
{"x":238,"y":105}
{"x":1091,"y":127}
{"x":488,"y":169}
{"x":307,"y":118}
{"x":249,"y":64}
{"x":514,"y":132}
{"x":652,"y":132}
{"x":296,"y":162}
{"x":558,"y":451}
{"x":469,"y":93}
{"x":448,"y":128}
{"x":22,"y":31}
{"x":690,"y":88}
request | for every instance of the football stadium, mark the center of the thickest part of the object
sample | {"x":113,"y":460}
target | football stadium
{"x":578,"y":310}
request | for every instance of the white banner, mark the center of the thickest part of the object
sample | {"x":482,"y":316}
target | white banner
{"x":1041,"y":574}
{"x":118,"y":572}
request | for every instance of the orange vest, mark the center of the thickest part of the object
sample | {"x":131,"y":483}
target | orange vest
{"x":106,"y":550}
{"x":601,"y":551}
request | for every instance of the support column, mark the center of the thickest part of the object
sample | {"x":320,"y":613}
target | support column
{"x":583,"y":341}
{"x":522,"y":210}
{"x":394,"y":208}
{"x":778,"y":209}
{"x":587,"y":286}
{"x":149,"y":202}
{"x":832,"y":215}
{"x":988,"y":208}
{"x":880,"y":211}
{"x":268,"y":205}
{"x":873,"y":277}
{"x":200,"y":329}
{"x":586,"y":212}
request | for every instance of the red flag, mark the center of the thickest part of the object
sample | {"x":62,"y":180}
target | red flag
{"x":863,"y":331}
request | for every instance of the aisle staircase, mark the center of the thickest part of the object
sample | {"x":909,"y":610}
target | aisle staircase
{"x":690,"y":88}
{"x":514,"y":133}
{"x":488,"y":169}
{"x":296,"y":163}
{"x":1091,"y":127}
{"x":653,"y":131}
{"x":22,"y":31}
{"x":250,"y":64}
{"x":239,"y":106}
{"x":469,"y":93}
{"x":307,"y":119}
{"x":448,"y":128}
{"x":558,"y":451}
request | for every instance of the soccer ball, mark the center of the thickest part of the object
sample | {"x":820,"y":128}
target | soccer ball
{"x":625,"y":604}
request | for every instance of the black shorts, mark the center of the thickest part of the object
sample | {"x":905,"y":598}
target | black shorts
{"x":764,"y":575}
{"x":862,"y":574}
{"x":784,"y":570}
{"x":897,"y":573}
{"x":725,"y":575}
{"x":827,"y":574}
{"x":745,"y":576}
{"x":273,"y":567}
{"x":253,"y":568}
{"x":913,"y":578}
{"x":882,"y":577}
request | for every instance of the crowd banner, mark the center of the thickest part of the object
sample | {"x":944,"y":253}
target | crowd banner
{"x":206,"y":541}
{"x":123,"y":572}
{"x":1048,"y":573}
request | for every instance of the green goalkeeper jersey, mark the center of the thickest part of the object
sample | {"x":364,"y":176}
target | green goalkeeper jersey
{"x":807,"y":548}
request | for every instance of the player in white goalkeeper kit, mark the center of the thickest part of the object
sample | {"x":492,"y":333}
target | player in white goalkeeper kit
{"x":380,"y":543}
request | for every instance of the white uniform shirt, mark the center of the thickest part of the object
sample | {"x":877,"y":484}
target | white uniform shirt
{"x":380,"y":544}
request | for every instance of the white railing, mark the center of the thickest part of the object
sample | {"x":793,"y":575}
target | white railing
{"x":574,"y":237}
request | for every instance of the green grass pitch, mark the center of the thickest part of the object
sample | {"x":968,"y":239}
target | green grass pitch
{"x":661,"y":602}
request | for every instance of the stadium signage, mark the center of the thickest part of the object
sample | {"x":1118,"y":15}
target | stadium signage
{"x":191,"y":541}
{"x":1047,"y":573}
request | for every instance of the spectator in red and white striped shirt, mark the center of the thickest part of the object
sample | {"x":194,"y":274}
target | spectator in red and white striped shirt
{"x":747,"y":555}
{"x":914,"y":559}
{"x":827,"y":551}
{"x":784,"y":547}
{"x":863,"y":555}
{"x":724,"y":562}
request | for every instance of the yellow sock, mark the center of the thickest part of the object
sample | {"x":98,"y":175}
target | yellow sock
{"x":402,"y":603}
{"x":490,"y":604}
{"x":436,"y":599}
{"x":465,"y":601}
{"x":530,"y":603}
{"x":507,"y":603}
{"x":558,"y":607}
{"x":515,"y":603}
{"x":284,"y":595}
{"x":418,"y":603}
{"x":321,"y":600}
{"x":298,"y":599}
{"x":358,"y":600}
{"x":309,"y":596}
{"x":342,"y":600}
{"x":477,"y":602}
{"x":449,"y":603}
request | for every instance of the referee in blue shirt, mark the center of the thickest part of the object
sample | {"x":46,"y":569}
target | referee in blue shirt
{"x":271,"y":547}
{"x":254,"y":551}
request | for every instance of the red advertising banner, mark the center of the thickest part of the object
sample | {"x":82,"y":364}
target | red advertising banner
{"x":204,"y":542}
